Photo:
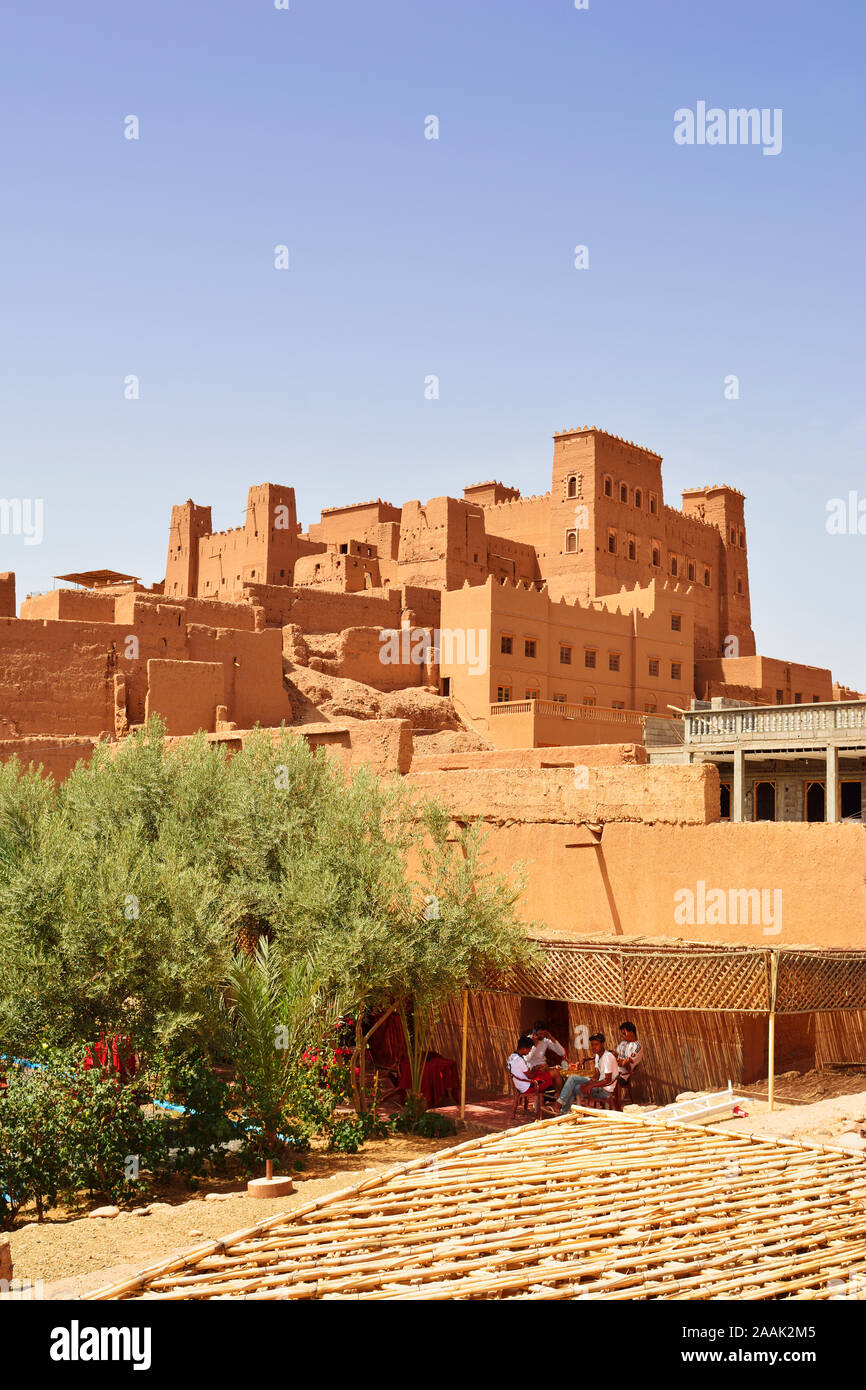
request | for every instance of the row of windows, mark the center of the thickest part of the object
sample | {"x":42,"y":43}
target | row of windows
{"x":764,"y":800}
{"x":622,"y":491}
{"x":213,"y":584}
{"x":679,"y":565}
{"x":591,"y":654}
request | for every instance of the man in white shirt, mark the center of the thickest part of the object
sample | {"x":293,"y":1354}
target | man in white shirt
{"x":599,"y":1086}
{"x":518,"y":1066}
{"x":544,"y":1047}
{"x":629,"y":1053}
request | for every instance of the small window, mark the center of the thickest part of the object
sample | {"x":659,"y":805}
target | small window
{"x":657,"y":556}
{"x":816,"y":699}
{"x":724,"y":801}
{"x":613,"y":661}
{"x":565,"y":656}
{"x":654,"y":504}
{"x":653,"y":665}
{"x":503,"y":694}
{"x":691,"y":571}
{"x":589,"y":658}
{"x":780,"y":697}
{"x":617,"y":704}
{"x":676,"y":671}
{"x":675,"y":565}
{"x":505,"y":645}
{"x":589,"y":699}
{"x":623,"y":492}
{"x":638,"y":497}
{"x":733,"y":535}
{"x":529,"y":646}
{"x":798,"y":697}
{"x":445,"y":685}
{"x":531,"y":695}
{"x":608,"y":487}
{"x":475,"y":559}
{"x":572,"y":486}
{"x":706,"y":579}
{"x":739,"y":583}
{"x":632,"y":548}
{"x":611,"y":542}
{"x":558,"y":699}
{"x":570,"y":542}
{"x":676,"y":622}
{"x":743,"y":539}
{"x":649,"y":709}
{"x":344,"y":549}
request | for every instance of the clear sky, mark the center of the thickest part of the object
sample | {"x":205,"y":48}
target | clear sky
{"x":412,"y":257}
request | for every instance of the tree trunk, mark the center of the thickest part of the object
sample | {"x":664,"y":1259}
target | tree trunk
{"x":360,"y":1049}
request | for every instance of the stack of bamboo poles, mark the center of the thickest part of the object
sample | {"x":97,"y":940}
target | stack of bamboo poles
{"x":589,"y":1205}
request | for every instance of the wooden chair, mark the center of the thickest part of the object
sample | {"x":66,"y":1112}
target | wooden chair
{"x":534,"y":1090}
{"x":610,"y":1102}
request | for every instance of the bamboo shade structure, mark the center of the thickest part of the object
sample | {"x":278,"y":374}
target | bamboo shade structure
{"x":589,"y":1205}
{"x":656,"y":975}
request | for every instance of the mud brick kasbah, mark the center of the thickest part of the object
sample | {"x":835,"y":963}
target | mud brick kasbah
{"x":518,"y":657}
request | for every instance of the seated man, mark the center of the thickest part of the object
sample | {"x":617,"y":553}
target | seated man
{"x":517,"y":1064}
{"x":629,"y":1053}
{"x":545,"y":1046}
{"x":599,"y":1086}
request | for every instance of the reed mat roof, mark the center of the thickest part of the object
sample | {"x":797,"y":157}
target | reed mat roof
{"x":589,"y":1205}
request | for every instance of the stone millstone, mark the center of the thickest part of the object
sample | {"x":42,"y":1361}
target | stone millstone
{"x":270,"y":1187}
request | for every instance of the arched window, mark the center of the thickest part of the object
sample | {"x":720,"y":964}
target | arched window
{"x":572,"y":486}
{"x":608,"y":486}
{"x":571,"y":542}
{"x":638,"y":497}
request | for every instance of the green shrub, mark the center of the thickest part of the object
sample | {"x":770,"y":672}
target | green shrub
{"x":31,"y":1163}
{"x":198,"y":1135}
{"x":348,"y":1133}
{"x":66,"y":1131}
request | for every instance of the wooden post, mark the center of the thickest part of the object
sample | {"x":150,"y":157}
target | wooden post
{"x":771,"y":1036}
{"x":463,"y":1055}
{"x":361,"y":1047}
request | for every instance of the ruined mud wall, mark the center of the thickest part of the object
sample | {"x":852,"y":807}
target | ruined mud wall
{"x":564,"y":796}
{"x":315,"y":610}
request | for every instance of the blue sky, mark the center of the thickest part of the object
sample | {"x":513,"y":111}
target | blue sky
{"x":412,"y":257}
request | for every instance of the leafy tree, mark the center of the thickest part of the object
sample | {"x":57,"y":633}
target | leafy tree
{"x":126,"y":891}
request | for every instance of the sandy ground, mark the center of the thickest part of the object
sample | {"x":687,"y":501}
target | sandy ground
{"x":72,"y":1256}
{"x":823,"y":1122}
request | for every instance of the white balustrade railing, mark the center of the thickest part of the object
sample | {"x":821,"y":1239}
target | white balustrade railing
{"x":797,"y":722}
{"x":560,"y":709}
